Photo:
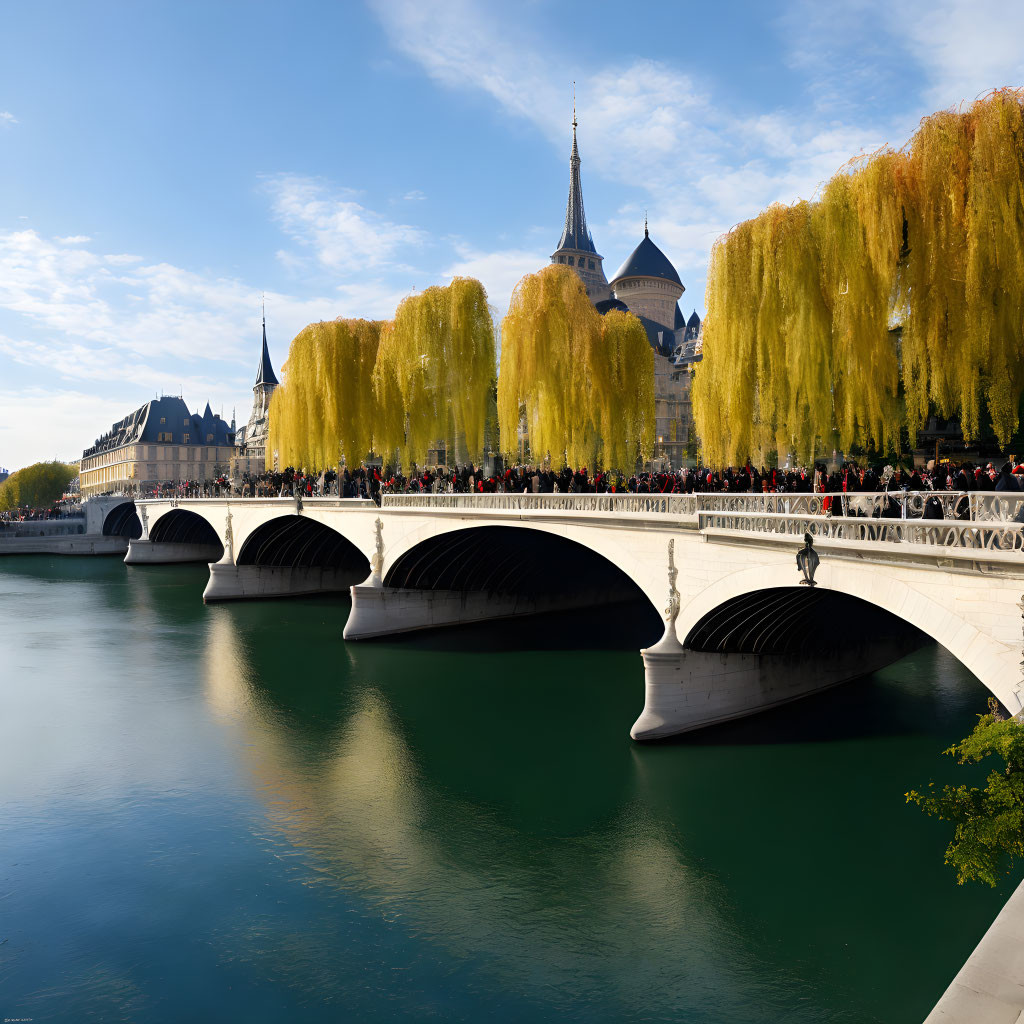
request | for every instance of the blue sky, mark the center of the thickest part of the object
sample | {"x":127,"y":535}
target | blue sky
{"x":162,"y":164}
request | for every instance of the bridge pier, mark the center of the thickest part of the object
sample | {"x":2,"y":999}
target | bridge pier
{"x":146,"y":552}
{"x":231,"y":582}
{"x":686,"y":689}
{"x":379,"y":611}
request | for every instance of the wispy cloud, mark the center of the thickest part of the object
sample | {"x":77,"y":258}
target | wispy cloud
{"x":341,"y":232}
{"x":6,"y":117}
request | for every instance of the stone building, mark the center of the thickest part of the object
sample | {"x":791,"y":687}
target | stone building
{"x":161,"y":442}
{"x":647,"y":285}
{"x":253,"y":437}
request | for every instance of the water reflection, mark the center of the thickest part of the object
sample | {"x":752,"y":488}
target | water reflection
{"x":610,"y":913}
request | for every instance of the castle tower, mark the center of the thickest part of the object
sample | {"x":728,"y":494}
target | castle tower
{"x":649,"y":284}
{"x":252,"y":438}
{"x":576,"y":247}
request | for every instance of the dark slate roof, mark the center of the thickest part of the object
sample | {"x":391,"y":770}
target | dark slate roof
{"x":144,"y":425}
{"x":680,"y":321}
{"x":607,"y":305}
{"x":694,"y":320}
{"x":575,"y":234}
{"x":661,"y":339}
{"x":647,"y":260}
{"x":265,"y":374}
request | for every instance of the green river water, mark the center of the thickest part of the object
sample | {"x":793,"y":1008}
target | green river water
{"x":226,"y":813}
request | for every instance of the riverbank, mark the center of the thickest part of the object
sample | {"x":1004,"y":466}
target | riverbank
{"x":63,"y":544}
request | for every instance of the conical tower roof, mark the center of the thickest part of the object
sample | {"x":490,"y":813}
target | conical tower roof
{"x":575,"y":234}
{"x":647,"y":260}
{"x":265,"y":374}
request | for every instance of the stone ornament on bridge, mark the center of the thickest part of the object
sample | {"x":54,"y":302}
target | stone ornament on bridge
{"x":807,"y":561}
{"x":377,"y":559}
{"x":229,"y":539}
{"x":672,"y":611}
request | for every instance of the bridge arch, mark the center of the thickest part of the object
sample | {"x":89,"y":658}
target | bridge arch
{"x":123,"y":521}
{"x":294,"y":541}
{"x":765,"y":610}
{"x":181,"y":526}
{"x":508,"y":560}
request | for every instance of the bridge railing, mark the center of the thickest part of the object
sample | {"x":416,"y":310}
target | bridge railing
{"x":927,"y":505}
{"x":980,"y":536}
{"x":667,"y":504}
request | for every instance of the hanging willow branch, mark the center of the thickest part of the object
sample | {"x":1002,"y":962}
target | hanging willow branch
{"x":799,"y":350}
{"x":435,"y":373}
{"x":325,"y":405}
{"x":583,"y":384}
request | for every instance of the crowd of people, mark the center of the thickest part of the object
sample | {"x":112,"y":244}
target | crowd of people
{"x":850,"y":477}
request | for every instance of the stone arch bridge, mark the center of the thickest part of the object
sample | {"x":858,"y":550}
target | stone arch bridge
{"x":743,"y":628}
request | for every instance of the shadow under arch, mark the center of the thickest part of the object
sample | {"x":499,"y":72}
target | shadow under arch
{"x":510,"y":560}
{"x":872,"y":598}
{"x":788,"y":620}
{"x":294,"y":541}
{"x":123,"y":521}
{"x":180,"y":526}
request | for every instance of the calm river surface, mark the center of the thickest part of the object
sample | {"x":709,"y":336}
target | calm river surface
{"x":228,"y":814}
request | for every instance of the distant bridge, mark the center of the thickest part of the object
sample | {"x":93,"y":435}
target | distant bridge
{"x":743,"y":630}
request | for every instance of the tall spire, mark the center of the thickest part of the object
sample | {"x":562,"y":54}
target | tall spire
{"x":575,"y":234}
{"x":265,"y":374}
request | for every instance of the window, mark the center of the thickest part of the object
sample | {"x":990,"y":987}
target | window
{"x":184,"y":438}
{"x":209,"y":438}
{"x":163,"y":420}
{"x":561,"y":259}
{"x":591,"y":267}
{"x":185,"y":423}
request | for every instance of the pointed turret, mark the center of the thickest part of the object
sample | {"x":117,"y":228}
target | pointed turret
{"x":265,"y":374}
{"x":576,"y":246}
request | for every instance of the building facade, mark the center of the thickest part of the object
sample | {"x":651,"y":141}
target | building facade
{"x":647,"y":285}
{"x":159,"y":443}
{"x":253,"y":438}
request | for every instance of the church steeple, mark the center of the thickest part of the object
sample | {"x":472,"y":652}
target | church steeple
{"x":265,"y":374}
{"x":576,"y":247}
{"x":575,"y":234}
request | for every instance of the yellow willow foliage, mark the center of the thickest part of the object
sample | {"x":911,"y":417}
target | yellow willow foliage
{"x":858,"y":227}
{"x":622,"y":376}
{"x":995,"y":257}
{"x":435,"y":372}
{"x":585,"y":384}
{"x":798,"y":352}
{"x":325,"y":405}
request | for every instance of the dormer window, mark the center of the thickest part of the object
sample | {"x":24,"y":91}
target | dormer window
{"x":209,"y":438}
{"x":163,"y":420}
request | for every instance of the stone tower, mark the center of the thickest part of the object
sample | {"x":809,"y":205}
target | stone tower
{"x":649,"y":284}
{"x":576,"y":247}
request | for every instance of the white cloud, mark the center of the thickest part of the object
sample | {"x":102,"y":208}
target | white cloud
{"x":6,"y":117}
{"x":414,"y":196}
{"x":60,"y":420}
{"x":965,"y":47}
{"x":498,"y":271}
{"x":341,"y":232}
{"x":646,"y":124}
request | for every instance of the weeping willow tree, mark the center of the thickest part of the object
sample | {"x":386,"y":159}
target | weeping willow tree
{"x":325,"y":405}
{"x":434,"y":375}
{"x":584,"y":384}
{"x":800,"y":351}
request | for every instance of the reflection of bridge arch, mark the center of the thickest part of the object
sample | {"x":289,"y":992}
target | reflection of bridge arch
{"x":294,"y":541}
{"x":123,"y":521}
{"x":849,"y":601}
{"x":180,"y":526}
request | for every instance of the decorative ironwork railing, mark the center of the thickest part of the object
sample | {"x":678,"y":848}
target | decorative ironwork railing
{"x":980,"y":536}
{"x":667,"y":504}
{"x":927,"y":505}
